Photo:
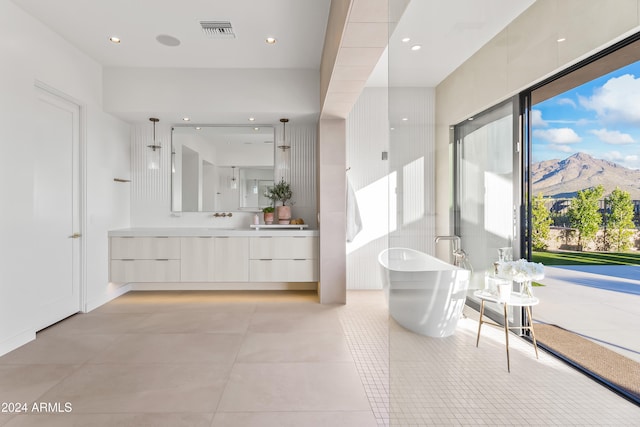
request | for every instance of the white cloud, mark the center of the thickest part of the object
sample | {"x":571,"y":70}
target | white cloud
{"x":616,"y":101}
{"x":567,"y":101}
{"x":613,"y":156}
{"x":613,"y":136}
{"x":537,"y":120}
{"x":560,"y":147}
{"x":631,"y":161}
{"x":558,"y":136}
{"x":584,"y":122}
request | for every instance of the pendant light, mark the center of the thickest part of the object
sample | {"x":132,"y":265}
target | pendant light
{"x":234,"y":182}
{"x":283,"y":160}
{"x":283,"y":145}
{"x":153,"y":156}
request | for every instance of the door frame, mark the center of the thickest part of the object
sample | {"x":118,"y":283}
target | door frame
{"x":519,"y":207}
{"x":82,"y":196}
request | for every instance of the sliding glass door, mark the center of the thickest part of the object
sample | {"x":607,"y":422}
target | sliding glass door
{"x":486,"y":187}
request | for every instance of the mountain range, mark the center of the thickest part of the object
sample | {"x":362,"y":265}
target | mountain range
{"x":564,"y":178}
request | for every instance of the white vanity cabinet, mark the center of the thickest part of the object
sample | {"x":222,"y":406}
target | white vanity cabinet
{"x":283,"y":259}
{"x":214,"y":259}
{"x":145,"y":259}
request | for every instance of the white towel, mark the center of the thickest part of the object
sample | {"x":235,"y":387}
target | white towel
{"x":354,"y":222}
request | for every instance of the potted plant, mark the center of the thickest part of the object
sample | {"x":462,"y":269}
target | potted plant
{"x":282,"y":192}
{"x":268,"y":215}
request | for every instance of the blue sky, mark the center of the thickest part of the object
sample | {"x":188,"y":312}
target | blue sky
{"x":600,"y":118}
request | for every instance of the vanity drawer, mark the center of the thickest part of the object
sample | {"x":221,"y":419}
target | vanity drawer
{"x":146,"y":270}
{"x":302,"y":247}
{"x":145,"y":248}
{"x":281,"y":270}
{"x":215,"y":259}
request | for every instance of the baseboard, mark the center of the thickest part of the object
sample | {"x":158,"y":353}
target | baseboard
{"x":226,"y":286}
{"x":16,"y":341}
{"x":113,"y":292}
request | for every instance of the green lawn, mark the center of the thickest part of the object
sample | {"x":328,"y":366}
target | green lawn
{"x":587,"y":258}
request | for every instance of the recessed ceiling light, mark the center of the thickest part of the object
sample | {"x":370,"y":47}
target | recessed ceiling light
{"x":270,"y":40}
{"x":251,"y":119}
{"x":256,"y":128}
{"x":416,"y":47}
{"x":470,"y":118}
{"x":393,"y":128}
{"x":186,"y":119}
{"x":406,"y":40}
{"x":404,"y":119}
{"x":198,"y":128}
{"x":561,"y":39}
{"x":115,"y":40}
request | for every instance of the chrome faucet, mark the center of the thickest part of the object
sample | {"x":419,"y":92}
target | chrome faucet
{"x":223,"y":214}
{"x":459,"y":255}
{"x":454,"y":239}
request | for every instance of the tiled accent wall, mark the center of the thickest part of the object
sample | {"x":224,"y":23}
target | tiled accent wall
{"x":396,"y":197}
{"x":367,"y":139}
{"x":412,"y":160}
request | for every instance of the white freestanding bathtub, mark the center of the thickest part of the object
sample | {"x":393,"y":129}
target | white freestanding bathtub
{"x":425,"y":295}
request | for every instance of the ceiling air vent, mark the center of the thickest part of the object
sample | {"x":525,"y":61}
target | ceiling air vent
{"x":218,"y":29}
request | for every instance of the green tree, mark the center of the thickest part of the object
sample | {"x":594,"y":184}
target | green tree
{"x":540,"y":223}
{"x":620,"y":225}
{"x":584,"y":213}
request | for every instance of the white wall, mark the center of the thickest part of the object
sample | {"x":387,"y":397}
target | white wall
{"x":525,"y":52}
{"x":396,"y":197}
{"x":213,"y":96}
{"x":412,"y":165}
{"x":32,"y":52}
{"x":367,"y":138}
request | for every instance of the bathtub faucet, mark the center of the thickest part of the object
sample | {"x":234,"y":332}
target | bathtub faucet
{"x":460,"y":258}
{"x":454,"y":239}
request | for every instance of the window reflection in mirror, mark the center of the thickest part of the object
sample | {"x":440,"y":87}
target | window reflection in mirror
{"x":221,"y":168}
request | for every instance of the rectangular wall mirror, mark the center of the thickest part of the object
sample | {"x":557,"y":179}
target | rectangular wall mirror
{"x":221,"y":168}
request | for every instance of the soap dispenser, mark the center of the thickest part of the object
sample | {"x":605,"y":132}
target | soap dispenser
{"x":256,"y":219}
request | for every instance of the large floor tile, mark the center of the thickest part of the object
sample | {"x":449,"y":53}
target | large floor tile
{"x":295,"y":321}
{"x":52,"y":348}
{"x":172,"y":348}
{"x":171,"y":301}
{"x":98,"y":323}
{"x":294,"y":347}
{"x":112,"y":420}
{"x":293,"y":387}
{"x":26,"y":383}
{"x":194,"y":322}
{"x":307,"y":306}
{"x":140,"y":388}
{"x":295,"y":419}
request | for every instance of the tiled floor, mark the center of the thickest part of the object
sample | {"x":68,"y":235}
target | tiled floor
{"x":282,"y":359}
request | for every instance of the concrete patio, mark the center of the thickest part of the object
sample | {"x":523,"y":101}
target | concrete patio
{"x":601,"y":303}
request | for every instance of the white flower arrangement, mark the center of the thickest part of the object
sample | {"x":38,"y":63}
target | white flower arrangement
{"x":520,"y":270}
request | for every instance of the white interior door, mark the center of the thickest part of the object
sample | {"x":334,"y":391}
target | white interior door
{"x":56,"y":213}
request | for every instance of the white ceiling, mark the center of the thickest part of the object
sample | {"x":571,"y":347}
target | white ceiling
{"x":449,"y":31}
{"x":298,"y":25}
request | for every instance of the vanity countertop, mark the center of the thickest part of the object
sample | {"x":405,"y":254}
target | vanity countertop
{"x":208,"y":231}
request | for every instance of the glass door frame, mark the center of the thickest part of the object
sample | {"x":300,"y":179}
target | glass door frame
{"x":519,"y":205}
